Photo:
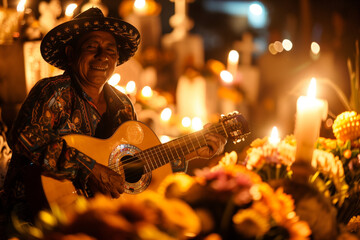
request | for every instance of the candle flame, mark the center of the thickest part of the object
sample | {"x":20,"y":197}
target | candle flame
{"x":70,"y":9}
{"x":166,"y":114}
{"x":164,"y":139}
{"x":196,"y":124}
{"x":139,"y":4}
{"x":274,"y":137}
{"x":115,"y":79}
{"x":186,"y":122}
{"x":21,"y":6}
{"x":233,"y":56}
{"x":130,"y":87}
{"x":147,"y":92}
{"x":312,"y":88}
{"x":226,"y":76}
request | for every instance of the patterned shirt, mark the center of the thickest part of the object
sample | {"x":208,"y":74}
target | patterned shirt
{"x":56,"y":107}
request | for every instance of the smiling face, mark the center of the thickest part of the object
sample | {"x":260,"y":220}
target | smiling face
{"x":94,"y":58}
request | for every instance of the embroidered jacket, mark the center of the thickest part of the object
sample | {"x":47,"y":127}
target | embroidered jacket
{"x":56,"y":107}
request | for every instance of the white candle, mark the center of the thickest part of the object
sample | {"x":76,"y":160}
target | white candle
{"x":232,"y":63}
{"x":310,"y":112}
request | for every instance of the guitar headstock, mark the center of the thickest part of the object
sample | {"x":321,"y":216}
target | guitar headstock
{"x":236,"y":126}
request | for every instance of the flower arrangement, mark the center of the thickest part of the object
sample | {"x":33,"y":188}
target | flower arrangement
{"x":227,"y":201}
{"x":233,"y":202}
{"x":271,"y":161}
{"x":147,"y":216}
{"x":346,"y":148}
{"x":274,"y":162}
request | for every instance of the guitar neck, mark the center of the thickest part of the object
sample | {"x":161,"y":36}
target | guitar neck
{"x":177,"y":149}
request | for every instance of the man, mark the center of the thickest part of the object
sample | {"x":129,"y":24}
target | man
{"x":88,"y":48}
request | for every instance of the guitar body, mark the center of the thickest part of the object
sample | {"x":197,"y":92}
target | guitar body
{"x":130,"y":138}
{"x":134,"y":151}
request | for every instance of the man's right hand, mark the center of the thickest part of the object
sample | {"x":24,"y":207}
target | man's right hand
{"x":105,"y":181}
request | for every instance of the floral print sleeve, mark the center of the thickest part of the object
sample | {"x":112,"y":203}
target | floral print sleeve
{"x":49,"y":112}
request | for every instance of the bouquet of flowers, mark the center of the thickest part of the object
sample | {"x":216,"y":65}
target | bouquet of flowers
{"x":271,"y":161}
{"x":233,"y":202}
{"x":147,"y":216}
{"x":227,"y":201}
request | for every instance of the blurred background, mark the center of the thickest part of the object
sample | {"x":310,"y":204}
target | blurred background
{"x":201,"y":58}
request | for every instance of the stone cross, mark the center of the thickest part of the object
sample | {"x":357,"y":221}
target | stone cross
{"x":180,"y":21}
{"x":246,"y":47}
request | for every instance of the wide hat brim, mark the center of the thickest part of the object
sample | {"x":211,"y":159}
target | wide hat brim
{"x":53,"y":44}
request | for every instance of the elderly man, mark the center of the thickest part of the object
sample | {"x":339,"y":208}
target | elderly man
{"x":88,"y":48}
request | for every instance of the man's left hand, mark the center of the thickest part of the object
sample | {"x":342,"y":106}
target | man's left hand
{"x":215,"y":145}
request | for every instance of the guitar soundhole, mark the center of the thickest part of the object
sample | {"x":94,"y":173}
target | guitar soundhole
{"x":133,"y":168}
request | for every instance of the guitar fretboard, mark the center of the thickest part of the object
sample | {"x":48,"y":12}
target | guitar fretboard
{"x":162,"y":154}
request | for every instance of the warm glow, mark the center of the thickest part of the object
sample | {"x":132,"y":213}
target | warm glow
{"x":233,"y":56}
{"x":196,"y":124}
{"x":186,"y":122}
{"x":256,"y":9}
{"x":287,"y":44}
{"x":312,"y":88}
{"x":315,"y":48}
{"x":140,"y":7}
{"x":272,"y":49}
{"x":147,"y":92}
{"x":274,"y":137}
{"x":121,"y":89}
{"x":21,"y":6}
{"x":130,"y":87}
{"x":70,"y":9}
{"x":226,"y":76}
{"x":278,"y":46}
{"x":164,"y":139}
{"x":139,"y":4}
{"x":114,"y":80}
{"x":166,"y":114}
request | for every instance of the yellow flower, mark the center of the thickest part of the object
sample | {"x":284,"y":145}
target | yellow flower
{"x":259,"y":142}
{"x":229,"y":159}
{"x":281,"y":208}
{"x":182,"y":215}
{"x":298,"y":230}
{"x":176,"y":184}
{"x":213,"y":236}
{"x":250,"y":223}
{"x":354,"y":224}
{"x":177,"y":214}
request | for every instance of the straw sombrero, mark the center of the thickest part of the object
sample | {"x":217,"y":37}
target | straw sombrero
{"x":53,"y":44}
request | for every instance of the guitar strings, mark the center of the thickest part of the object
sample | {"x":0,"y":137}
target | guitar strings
{"x":152,"y":149}
{"x":151,"y":152}
{"x":151,"y":156}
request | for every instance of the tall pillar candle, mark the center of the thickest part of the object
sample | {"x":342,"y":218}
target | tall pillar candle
{"x":233,"y":62}
{"x":309,"y":114}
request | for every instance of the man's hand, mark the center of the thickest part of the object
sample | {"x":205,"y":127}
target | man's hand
{"x":105,"y":181}
{"x":216,"y":144}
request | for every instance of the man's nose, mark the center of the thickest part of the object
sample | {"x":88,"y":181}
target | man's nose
{"x":101,"y":54}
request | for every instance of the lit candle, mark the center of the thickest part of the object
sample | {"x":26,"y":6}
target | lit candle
{"x":20,"y":10}
{"x":69,"y":12}
{"x":226,"y":77}
{"x":147,"y":92}
{"x":232,"y":63}
{"x":274,"y":138}
{"x":140,"y":7}
{"x":166,"y":115}
{"x":310,"y":113}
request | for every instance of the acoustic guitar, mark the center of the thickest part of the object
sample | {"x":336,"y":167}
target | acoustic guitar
{"x":135,"y":152}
